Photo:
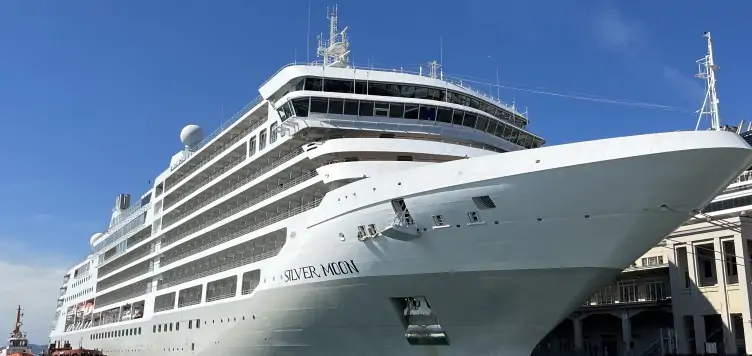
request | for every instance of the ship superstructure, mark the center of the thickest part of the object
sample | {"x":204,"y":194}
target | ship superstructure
{"x":18,"y":344}
{"x":380,"y":212}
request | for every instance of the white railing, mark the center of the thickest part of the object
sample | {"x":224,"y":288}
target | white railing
{"x":142,"y":251}
{"x":241,"y":207}
{"x":189,"y":303}
{"x":114,"y":280}
{"x":457,"y":82}
{"x":163,"y":308}
{"x":219,"y":130}
{"x":247,"y":230}
{"x":220,"y":297}
{"x":207,"y":200}
{"x":746,"y":176}
{"x":114,"y":228}
{"x":233,"y":162}
{"x":222,"y":268}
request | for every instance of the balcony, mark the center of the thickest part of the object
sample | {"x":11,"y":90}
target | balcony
{"x":631,"y":292}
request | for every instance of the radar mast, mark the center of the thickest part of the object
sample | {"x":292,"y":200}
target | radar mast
{"x":706,"y":71}
{"x":336,"y":50}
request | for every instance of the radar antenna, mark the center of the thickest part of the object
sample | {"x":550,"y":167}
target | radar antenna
{"x":706,"y":71}
{"x":433,"y":69}
{"x":335,"y":51}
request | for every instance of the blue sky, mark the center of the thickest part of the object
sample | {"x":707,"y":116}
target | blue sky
{"x":93,"y":94}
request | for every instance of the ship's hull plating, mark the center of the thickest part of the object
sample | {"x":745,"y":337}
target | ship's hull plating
{"x":497,"y":286}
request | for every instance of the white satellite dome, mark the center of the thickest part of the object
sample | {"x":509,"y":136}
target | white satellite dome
{"x":94,"y":238}
{"x":191,"y":135}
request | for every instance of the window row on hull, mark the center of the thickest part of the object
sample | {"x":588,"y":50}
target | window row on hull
{"x":725,"y":204}
{"x":195,"y":161}
{"x":214,"y":170}
{"x":223,"y":288}
{"x":257,"y":249}
{"x":251,"y":222}
{"x":127,"y":258}
{"x":303,"y":107}
{"x":224,"y":187}
{"x":231,"y":207}
{"x":408,"y":91}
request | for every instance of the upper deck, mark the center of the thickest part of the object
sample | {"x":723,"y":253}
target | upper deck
{"x":387,"y":82}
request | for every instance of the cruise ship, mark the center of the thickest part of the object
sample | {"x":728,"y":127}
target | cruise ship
{"x":353,"y":210}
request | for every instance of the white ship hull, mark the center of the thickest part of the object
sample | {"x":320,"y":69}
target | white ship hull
{"x":571,"y":216}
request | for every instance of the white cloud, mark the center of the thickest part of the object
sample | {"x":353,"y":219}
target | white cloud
{"x":32,"y":280}
{"x":633,"y":41}
{"x":690,"y":87}
{"x":615,"y":31}
{"x":36,"y":289}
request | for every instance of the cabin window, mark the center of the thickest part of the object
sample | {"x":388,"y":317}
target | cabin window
{"x":154,"y":329}
{"x":177,"y":326}
{"x":159,"y":328}
{"x":252,"y":146}
{"x":190,"y":324}
{"x":139,"y":330}
{"x":198,"y":323}
{"x":273,"y":132}
{"x":262,"y":139}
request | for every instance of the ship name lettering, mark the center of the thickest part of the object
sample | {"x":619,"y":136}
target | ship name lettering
{"x":299,"y":273}
{"x":329,"y":269}
{"x":339,"y":268}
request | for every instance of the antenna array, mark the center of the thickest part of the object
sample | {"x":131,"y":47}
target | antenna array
{"x":706,"y":71}
{"x":336,"y":50}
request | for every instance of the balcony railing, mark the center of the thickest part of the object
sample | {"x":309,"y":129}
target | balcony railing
{"x":630,"y":293}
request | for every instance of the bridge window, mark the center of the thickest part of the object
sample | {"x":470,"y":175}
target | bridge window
{"x":381,"y":109}
{"x":413,"y":91}
{"x":301,"y":106}
{"x":366,"y":108}
{"x":319,"y":105}
{"x":336,"y":106}
{"x":469,"y":120}
{"x":427,"y":113}
{"x":351,"y":107}
{"x":396,"y":110}
{"x":421,"y":112}
{"x":411,"y":111}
